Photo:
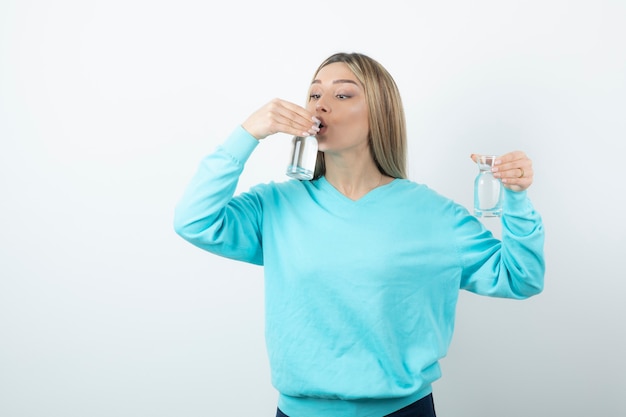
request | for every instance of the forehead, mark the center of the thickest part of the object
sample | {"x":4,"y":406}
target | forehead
{"x":334,"y":72}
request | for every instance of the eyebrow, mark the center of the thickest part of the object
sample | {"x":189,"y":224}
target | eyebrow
{"x":337,"y":82}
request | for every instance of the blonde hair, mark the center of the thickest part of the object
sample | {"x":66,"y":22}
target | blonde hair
{"x":387,"y":136}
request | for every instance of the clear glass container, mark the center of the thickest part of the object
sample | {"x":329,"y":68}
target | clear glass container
{"x":303,"y":158}
{"x":487,"y":189}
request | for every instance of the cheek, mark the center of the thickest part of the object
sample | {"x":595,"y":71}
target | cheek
{"x":359,"y":115}
{"x":358,"y":112}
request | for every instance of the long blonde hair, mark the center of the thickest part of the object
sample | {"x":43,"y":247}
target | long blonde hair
{"x":387,"y":136}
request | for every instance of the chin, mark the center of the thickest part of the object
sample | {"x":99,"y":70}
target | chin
{"x":321,"y":145}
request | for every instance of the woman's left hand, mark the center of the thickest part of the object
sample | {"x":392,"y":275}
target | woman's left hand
{"x":514,"y":169}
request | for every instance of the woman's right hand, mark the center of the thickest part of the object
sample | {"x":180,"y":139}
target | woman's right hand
{"x":281,"y":116}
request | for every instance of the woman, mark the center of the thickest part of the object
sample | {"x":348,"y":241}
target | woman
{"x":362,"y":266}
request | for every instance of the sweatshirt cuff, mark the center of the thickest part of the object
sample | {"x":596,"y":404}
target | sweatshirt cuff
{"x":240,"y":144}
{"x":516,"y":202}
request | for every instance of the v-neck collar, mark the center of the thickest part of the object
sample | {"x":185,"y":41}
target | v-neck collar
{"x":328,"y":187}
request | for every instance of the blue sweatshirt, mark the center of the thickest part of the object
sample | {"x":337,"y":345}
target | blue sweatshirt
{"x":360,"y":295}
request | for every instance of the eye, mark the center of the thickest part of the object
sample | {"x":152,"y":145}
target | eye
{"x":343,"y":96}
{"x":314,"y":96}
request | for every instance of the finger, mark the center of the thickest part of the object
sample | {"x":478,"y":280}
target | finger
{"x":513,"y":165}
{"x":299,"y":113}
{"x":289,"y":127}
{"x":510,"y":157}
{"x":515,"y":170}
{"x":517,"y":184}
{"x":516,"y":179}
{"x":293,"y":119}
{"x":514,"y":173}
{"x":280,"y":116}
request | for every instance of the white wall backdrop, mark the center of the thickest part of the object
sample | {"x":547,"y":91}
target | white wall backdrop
{"x":106,"y":108}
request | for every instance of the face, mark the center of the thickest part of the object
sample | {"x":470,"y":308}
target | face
{"x":338,"y":100}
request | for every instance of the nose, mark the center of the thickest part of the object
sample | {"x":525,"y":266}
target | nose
{"x":321,"y":106}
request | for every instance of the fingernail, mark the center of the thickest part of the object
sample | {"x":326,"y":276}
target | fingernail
{"x":316,"y":120}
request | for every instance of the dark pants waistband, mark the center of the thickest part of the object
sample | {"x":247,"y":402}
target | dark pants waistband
{"x":424,"y":407}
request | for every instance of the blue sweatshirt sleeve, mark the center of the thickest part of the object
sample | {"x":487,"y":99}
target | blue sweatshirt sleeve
{"x":511,"y":268}
{"x":209,"y":215}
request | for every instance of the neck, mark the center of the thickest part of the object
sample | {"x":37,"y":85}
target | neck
{"x":353,"y":179}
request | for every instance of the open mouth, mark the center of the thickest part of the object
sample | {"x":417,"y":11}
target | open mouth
{"x":321,"y":124}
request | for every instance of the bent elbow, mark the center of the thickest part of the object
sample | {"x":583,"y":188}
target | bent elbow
{"x":182,"y":226}
{"x":534,"y":289}
{"x":532,"y":285}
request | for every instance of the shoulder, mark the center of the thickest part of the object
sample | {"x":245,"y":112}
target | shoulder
{"x":279,"y":189}
{"x":416,"y":199}
{"x":411,"y":191}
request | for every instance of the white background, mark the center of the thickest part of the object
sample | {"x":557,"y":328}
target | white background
{"x":106,"y":108}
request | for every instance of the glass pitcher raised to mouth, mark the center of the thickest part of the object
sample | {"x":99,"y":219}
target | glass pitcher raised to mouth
{"x":303,"y":158}
{"x":487,"y":189}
